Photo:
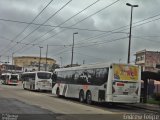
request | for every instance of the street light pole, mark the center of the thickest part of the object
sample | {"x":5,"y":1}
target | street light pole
{"x":40,"y":59}
{"x":73,"y":49}
{"x":46,"y":58}
{"x":13,"y":66}
{"x":61,"y":61}
{"x":8,"y":59}
{"x":129,"y":46}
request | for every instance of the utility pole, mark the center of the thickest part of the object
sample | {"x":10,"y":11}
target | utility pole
{"x":12,"y":58}
{"x":73,"y":49}
{"x":0,"y":59}
{"x":83,"y":61}
{"x":40,"y":59}
{"x":129,"y":46}
{"x":8,"y":59}
{"x":46,"y":58}
{"x":61,"y":61}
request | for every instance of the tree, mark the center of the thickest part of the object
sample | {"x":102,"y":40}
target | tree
{"x":54,"y":66}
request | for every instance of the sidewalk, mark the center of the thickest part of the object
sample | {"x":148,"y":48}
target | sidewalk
{"x":152,"y":107}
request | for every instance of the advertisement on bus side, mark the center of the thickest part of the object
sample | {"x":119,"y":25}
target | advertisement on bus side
{"x":125,"y":72}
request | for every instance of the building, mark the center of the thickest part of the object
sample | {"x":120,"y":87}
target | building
{"x":157,"y":87}
{"x":6,"y":68}
{"x":149,"y":60}
{"x":30,"y":63}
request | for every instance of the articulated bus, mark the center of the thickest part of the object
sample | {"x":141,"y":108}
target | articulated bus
{"x":10,"y":79}
{"x":37,"y":80}
{"x":112,"y":83}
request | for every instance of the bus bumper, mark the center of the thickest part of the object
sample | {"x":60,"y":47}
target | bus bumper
{"x":123,"y":99}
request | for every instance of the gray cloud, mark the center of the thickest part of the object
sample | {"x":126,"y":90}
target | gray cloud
{"x":115,"y":16}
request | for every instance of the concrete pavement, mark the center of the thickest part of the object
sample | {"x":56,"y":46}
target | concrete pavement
{"x":151,"y":107}
{"x":41,"y":106}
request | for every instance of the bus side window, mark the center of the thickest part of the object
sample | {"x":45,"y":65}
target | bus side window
{"x":54,"y":77}
{"x":32,"y":76}
{"x":7,"y":77}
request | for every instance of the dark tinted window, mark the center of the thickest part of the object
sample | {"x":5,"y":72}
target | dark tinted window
{"x":44,"y":75}
{"x":3,"y":77}
{"x":28,"y":76}
{"x":89,"y":76}
{"x":14,"y":77}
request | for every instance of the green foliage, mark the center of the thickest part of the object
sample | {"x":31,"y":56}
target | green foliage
{"x":54,"y":66}
{"x":156,"y":96}
{"x":153,"y":101}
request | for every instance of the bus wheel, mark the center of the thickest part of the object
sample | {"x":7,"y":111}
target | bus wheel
{"x":58,"y":92}
{"x":81,"y":96}
{"x":89,"y":98}
{"x":24,"y":87}
{"x":30,"y":88}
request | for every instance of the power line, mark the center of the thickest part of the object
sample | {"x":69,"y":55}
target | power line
{"x":83,"y":19}
{"x":80,"y":20}
{"x":93,"y":44}
{"x":58,"y":26}
{"x":89,"y":55}
{"x":150,"y":40}
{"x":144,"y":23}
{"x":112,"y":31}
{"x":123,"y":29}
{"x":114,"y":40}
{"x":95,"y":37}
{"x":141,"y":21}
{"x":23,"y":22}
{"x":150,"y":36}
{"x":101,"y":35}
{"x":67,"y":21}
{"x":70,"y":19}
{"x":29,"y":24}
{"x":29,"y":44}
{"x":43,"y":23}
{"x":98,"y":43}
{"x":133,"y":27}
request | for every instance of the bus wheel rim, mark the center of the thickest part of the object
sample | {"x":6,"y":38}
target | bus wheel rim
{"x":89,"y":99}
{"x":81,"y":97}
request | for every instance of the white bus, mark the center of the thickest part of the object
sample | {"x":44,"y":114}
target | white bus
{"x":112,"y":83}
{"x":10,"y":79}
{"x":37,"y":80}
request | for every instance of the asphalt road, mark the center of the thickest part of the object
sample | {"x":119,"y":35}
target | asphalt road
{"x":45,"y":106}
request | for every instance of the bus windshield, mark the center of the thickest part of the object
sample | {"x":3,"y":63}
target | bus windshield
{"x":44,"y":75}
{"x":14,"y":77}
{"x":3,"y":77}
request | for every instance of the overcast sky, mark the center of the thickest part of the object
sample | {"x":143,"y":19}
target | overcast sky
{"x":102,"y":26}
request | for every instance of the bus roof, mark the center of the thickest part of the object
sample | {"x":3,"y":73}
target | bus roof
{"x":36,"y":72}
{"x":6,"y":73}
{"x":9,"y":74}
{"x":97,"y":65}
